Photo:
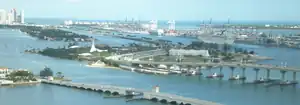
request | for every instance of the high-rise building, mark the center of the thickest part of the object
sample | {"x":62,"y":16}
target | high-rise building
{"x":15,"y":15}
{"x":19,"y":19}
{"x":10,"y":18}
{"x":22,"y":17}
{"x":2,"y":16}
{"x":12,"y":15}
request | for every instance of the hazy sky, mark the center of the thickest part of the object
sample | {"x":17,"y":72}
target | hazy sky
{"x":159,"y":9}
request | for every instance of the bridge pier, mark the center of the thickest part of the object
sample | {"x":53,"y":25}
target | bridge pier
{"x":169,"y":68}
{"x":294,"y":76}
{"x":180,"y":67}
{"x":221,"y":68}
{"x":282,"y":75}
{"x":243,"y":72}
{"x":232,"y":72}
{"x":256,"y":73}
{"x":268,"y":74}
{"x":189,"y":67}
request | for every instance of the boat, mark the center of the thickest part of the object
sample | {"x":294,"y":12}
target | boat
{"x":261,"y":80}
{"x":215,"y":75}
{"x":237,"y":77}
{"x":193,"y":72}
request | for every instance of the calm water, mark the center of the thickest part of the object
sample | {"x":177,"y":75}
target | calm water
{"x":222,"y":91}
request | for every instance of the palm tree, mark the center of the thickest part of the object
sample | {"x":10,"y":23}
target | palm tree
{"x":46,"y":72}
{"x":59,"y":75}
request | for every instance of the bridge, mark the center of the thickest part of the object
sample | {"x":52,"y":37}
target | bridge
{"x":149,"y":95}
{"x":256,"y":67}
{"x":195,"y":64}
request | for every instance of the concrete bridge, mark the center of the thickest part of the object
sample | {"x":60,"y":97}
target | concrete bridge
{"x":116,"y":90}
{"x":195,"y":64}
{"x":243,"y":66}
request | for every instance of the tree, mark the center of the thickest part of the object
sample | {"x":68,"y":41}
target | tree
{"x":115,"y":65}
{"x":21,"y":75}
{"x":252,"y":52}
{"x":245,"y":51}
{"x":46,"y":72}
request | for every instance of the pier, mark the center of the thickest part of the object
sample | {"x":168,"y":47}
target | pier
{"x":149,"y":95}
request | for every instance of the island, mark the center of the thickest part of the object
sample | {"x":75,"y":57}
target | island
{"x":15,"y":77}
{"x":51,"y":33}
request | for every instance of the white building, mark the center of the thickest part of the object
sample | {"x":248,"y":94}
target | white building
{"x":189,"y":52}
{"x":94,"y":49}
{"x":69,"y":22}
{"x":4,"y":72}
{"x":50,"y":78}
{"x":2,"y":16}
{"x":6,"y":82}
{"x":10,"y":18}
{"x":22,"y":17}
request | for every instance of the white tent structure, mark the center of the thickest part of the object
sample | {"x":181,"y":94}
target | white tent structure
{"x":94,"y":49}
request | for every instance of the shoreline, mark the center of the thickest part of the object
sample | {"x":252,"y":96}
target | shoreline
{"x":20,"y":84}
{"x":102,"y":66}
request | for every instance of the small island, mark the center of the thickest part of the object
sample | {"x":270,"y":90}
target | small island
{"x":17,"y":77}
{"x":13,"y":77}
{"x":51,"y":33}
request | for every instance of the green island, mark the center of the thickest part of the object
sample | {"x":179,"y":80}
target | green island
{"x":21,"y":76}
{"x":15,"y":77}
{"x":50,"y":33}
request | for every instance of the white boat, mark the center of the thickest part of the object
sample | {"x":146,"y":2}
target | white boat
{"x":215,"y":75}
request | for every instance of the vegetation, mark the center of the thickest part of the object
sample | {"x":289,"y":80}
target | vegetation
{"x":73,"y":53}
{"x":228,"y":57}
{"x":243,"y":51}
{"x":21,"y":76}
{"x":52,"y":33}
{"x":46,"y":72}
{"x":59,"y":75}
{"x":109,"y":62}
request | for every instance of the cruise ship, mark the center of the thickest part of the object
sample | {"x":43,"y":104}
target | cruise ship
{"x":217,"y":38}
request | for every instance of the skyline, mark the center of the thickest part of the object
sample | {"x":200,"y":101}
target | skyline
{"x":158,"y":10}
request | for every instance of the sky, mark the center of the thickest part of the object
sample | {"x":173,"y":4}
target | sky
{"x":272,"y":10}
